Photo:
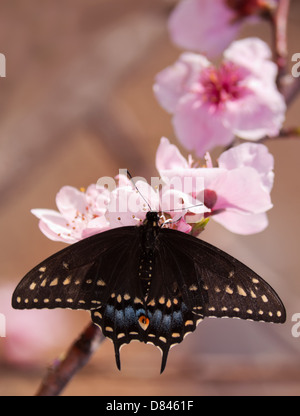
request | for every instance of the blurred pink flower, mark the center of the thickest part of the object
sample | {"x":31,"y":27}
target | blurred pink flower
{"x":237,"y":192}
{"x":81,"y":214}
{"x":29,"y":334}
{"x":211,"y":105}
{"x":204,"y":26}
{"x":208,"y":26}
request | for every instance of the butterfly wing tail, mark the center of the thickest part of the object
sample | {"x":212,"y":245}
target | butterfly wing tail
{"x":117,"y":355}
{"x":165,"y":353}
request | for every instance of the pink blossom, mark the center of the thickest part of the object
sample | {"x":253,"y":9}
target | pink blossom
{"x":208,"y":26}
{"x":210,"y":105}
{"x":237,"y":192}
{"x":203,"y":25}
{"x":29,"y":334}
{"x":80,"y":214}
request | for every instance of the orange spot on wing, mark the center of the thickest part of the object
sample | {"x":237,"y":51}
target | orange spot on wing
{"x":144,"y":322}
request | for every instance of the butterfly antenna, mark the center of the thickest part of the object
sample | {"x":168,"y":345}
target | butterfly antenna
{"x":137,"y":189}
{"x":186,"y":208}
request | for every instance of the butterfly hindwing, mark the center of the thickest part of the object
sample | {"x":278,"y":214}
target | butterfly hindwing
{"x":228,"y":287}
{"x":169,"y":302}
{"x":122,"y":318}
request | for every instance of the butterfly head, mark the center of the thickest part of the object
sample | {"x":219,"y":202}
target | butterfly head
{"x":152,"y":217}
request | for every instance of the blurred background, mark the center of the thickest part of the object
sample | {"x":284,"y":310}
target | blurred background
{"x":76,"y":105}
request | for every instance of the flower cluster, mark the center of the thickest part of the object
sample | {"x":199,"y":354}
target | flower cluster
{"x":236,"y":194}
{"x":209,"y":27}
{"x":210,"y":106}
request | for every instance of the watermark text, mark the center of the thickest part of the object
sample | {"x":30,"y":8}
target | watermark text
{"x":177,"y":193}
{"x":296,"y":67}
{"x":2,"y":326}
{"x":296,"y":327}
{"x":2,"y":66}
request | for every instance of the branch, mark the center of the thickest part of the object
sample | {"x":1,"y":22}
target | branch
{"x":77,"y":356}
{"x":285,"y":133}
{"x":290,"y":88}
{"x":279,"y":21}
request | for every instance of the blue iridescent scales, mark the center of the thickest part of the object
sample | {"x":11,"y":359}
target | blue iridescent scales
{"x":148,"y":283}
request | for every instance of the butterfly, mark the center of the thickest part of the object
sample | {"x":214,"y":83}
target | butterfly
{"x":148,"y":283}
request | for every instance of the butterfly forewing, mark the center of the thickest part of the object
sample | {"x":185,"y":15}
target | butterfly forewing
{"x":79,"y":276}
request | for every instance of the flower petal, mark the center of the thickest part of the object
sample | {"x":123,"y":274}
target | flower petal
{"x":203,"y":25}
{"x":95,"y":226}
{"x":176,"y":80}
{"x":168,"y":156}
{"x":242,"y":224}
{"x":200,"y":128}
{"x":253,"y":155}
{"x":52,"y":223}
{"x":69,"y":201}
{"x":241,"y":190}
{"x":254,"y":55}
{"x":182,"y":226}
{"x":259,"y":114}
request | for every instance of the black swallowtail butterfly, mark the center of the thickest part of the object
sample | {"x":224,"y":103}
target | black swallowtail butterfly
{"x":148,"y":283}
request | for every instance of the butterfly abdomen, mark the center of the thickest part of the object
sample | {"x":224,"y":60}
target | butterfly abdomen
{"x":149,"y":231}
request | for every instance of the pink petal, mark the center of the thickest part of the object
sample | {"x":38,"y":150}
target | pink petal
{"x":176,"y":80}
{"x":168,"y":156}
{"x":199,"y":128}
{"x":97,"y":199}
{"x":40,"y":213}
{"x":147,"y":198}
{"x":69,"y":201}
{"x":58,"y":234}
{"x":183,"y":226}
{"x":252,"y":155}
{"x":254,"y":55}
{"x":95,"y":226}
{"x":259,"y":114}
{"x":176,"y":201}
{"x":242,"y":224}
{"x":54,"y":226}
{"x":205,"y":26}
{"x":123,"y":180}
{"x":199,"y":176}
{"x":241,"y":190}
{"x":126,"y":207}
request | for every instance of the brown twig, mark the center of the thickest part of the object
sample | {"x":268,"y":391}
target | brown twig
{"x":286,"y":133}
{"x":287,"y":84}
{"x":290,"y":88}
{"x":76,"y":357}
{"x":280,"y":19}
